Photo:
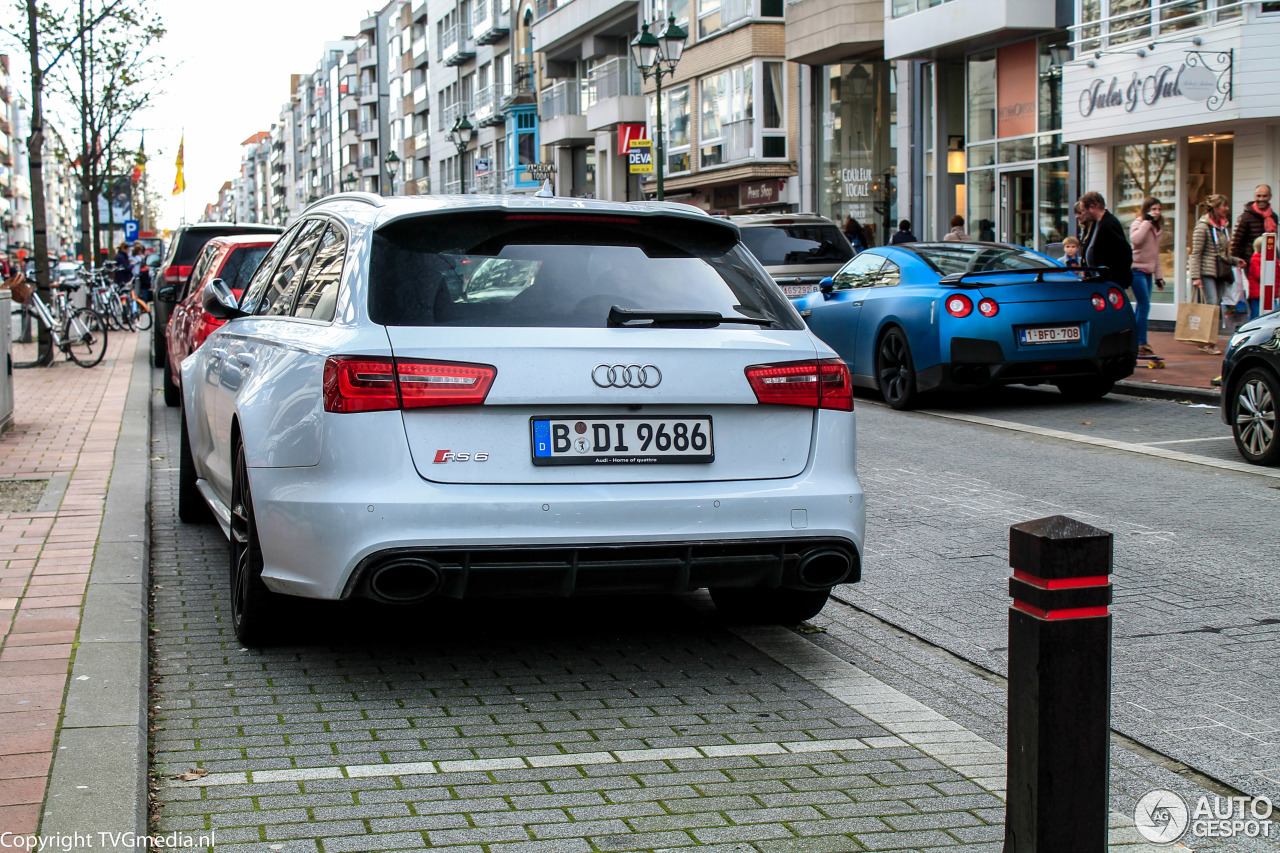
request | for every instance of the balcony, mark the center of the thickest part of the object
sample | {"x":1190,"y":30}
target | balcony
{"x":931,"y":29}
{"x":614,"y":93}
{"x":419,"y":50}
{"x":366,"y":56}
{"x":458,"y":46}
{"x":488,"y":105}
{"x":821,"y":32}
{"x":4,"y":94}
{"x":559,"y":26}
{"x":492,"y":182}
{"x":451,"y":112}
{"x":563,"y":122}
{"x":369,"y":127}
{"x":420,"y":102}
{"x":368,"y":162}
{"x":521,"y":90}
{"x":491,"y":21}
{"x":452,"y":187}
{"x":368,"y":92}
{"x":422,"y":141}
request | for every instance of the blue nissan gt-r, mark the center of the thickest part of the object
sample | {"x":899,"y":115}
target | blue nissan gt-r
{"x":918,"y":317}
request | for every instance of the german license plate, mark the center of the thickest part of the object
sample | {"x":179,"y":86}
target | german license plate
{"x":795,"y":291}
{"x":1050,"y":335}
{"x":622,"y":440}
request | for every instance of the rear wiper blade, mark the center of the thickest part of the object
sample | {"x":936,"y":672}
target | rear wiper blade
{"x":628,"y":317}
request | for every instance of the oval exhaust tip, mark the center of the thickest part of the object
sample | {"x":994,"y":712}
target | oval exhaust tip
{"x":404,"y":580}
{"x":824,"y":569}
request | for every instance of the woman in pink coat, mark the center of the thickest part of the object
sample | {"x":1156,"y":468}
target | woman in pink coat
{"x":1144,"y":234}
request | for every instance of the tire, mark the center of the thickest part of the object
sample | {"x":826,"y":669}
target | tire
{"x":895,"y":372}
{"x":251,"y":602}
{"x":159,"y":351}
{"x":1085,"y":389}
{"x":191,"y":506}
{"x":85,"y":336}
{"x":144,"y":318}
{"x":769,"y":606}
{"x":1253,"y":417}
{"x":172,"y":393}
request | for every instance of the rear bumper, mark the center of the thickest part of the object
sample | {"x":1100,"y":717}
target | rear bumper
{"x":982,"y":364}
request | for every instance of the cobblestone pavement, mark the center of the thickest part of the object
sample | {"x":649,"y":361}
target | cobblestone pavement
{"x":1197,"y":613}
{"x":590,"y":725}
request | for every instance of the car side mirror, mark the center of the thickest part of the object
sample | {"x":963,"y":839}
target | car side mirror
{"x":219,"y":302}
{"x":827,"y":286}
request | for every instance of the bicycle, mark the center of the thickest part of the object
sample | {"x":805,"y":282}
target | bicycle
{"x":83,"y":333}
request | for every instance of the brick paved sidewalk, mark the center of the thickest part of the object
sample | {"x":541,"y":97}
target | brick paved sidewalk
{"x":66,"y":421}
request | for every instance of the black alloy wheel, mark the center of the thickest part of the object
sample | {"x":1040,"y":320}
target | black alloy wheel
{"x":1253,"y":417}
{"x":769,"y":606}
{"x":252,"y":604}
{"x":191,"y":506}
{"x":172,"y":393}
{"x":895,"y":373}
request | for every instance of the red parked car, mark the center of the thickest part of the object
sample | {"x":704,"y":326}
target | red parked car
{"x":232,"y":259}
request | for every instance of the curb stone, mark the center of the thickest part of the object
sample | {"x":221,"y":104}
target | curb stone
{"x":1130,"y":388}
{"x":98,"y":783}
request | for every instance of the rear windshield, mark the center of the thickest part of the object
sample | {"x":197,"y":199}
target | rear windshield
{"x":190,"y":244}
{"x":954,"y":258}
{"x":790,"y":245}
{"x":240,"y":266}
{"x":496,"y":269}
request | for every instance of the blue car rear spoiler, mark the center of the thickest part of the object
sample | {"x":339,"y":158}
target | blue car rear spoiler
{"x":1093,"y":274}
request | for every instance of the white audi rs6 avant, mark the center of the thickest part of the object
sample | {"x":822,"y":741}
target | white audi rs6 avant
{"x":519,"y":396}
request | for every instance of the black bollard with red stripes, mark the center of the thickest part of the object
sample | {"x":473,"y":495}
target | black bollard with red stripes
{"x":1059,"y":687}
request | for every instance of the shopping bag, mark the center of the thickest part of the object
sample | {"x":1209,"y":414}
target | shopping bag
{"x":1197,"y":322}
{"x":1236,"y":298}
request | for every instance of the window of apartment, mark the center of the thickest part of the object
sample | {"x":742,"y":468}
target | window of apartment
{"x":675,"y":116}
{"x":482,"y":77}
{"x":727,"y":107}
{"x":658,"y":11}
{"x":709,"y":17}
{"x":773,"y":137}
{"x":1104,"y":23}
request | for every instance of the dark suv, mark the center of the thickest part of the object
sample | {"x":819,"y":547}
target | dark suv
{"x":175,"y":269}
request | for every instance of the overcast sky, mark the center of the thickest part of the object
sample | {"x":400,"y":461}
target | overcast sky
{"x":231,"y":61}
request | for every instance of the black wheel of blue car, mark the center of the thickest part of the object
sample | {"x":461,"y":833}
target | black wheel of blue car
{"x":895,"y":372}
{"x":769,"y":606}
{"x":1253,"y":417}
{"x":1085,"y":388}
{"x":252,"y":604}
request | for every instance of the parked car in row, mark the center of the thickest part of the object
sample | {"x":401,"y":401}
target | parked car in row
{"x":1251,"y":388}
{"x":233,"y":260}
{"x":798,"y":249}
{"x":184,"y":246}
{"x":916,"y":317}
{"x":515,"y":396}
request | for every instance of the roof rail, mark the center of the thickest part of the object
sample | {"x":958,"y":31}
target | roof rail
{"x":368,"y":198}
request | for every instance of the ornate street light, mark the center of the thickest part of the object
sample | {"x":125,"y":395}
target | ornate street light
{"x":657,"y":56}
{"x":393,"y":167}
{"x":460,"y":135}
{"x":348,"y":180}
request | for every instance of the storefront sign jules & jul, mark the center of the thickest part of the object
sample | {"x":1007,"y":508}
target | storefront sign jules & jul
{"x":1193,"y":82}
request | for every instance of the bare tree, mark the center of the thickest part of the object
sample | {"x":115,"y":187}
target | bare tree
{"x":47,"y":35}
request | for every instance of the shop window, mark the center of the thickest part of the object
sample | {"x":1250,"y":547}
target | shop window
{"x":1053,"y":53}
{"x":982,"y":97}
{"x":856,"y":132}
{"x":1053,"y":202}
{"x":1178,"y":15}
{"x":982,"y":204}
{"x":1152,"y":170}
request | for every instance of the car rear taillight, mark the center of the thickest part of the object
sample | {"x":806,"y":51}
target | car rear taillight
{"x":176,"y":274}
{"x":959,"y":305}
{"x":1099,"y":304}
{"x":1115,"y":297}
{"x":823,"y":384}
{"x":988,"y":307}
{"x":378,"y":383}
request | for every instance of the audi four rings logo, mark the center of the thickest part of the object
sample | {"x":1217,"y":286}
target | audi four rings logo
{"x":626,"y":376}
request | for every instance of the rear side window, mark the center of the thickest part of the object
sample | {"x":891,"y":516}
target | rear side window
{"x":790,"y":245}
{"x":241,"y":265}
{"x":198,"y":272}
{"x":498,"y":269}
{"x":277,"y":299}
{"x":953,"y":258}
{"x":318,"y":296}
{"x":262,"y":275}
{"x":191,"y":242}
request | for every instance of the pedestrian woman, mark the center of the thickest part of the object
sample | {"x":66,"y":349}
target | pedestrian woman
{"x":957,"y":232}
{"x":124,"y":266}
{"x":1144,"y":234}
{"x":853,"y":231}
{"x":1210,"y":263}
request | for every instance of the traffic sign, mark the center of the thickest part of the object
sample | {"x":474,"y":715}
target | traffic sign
{"x":130,"y":230}
{"x":640,"y":157}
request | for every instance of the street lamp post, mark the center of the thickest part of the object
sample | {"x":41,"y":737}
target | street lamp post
{"x":393,"y":166}
{"x":460,"y":135}
{"x":347,"y":180}
{"x":656,"y":56}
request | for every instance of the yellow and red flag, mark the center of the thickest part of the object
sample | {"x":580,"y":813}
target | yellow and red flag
{"x":180,"y":183}
{"x":140,"y":162}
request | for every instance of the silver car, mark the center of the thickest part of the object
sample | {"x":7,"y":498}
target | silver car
{"x":516,"y":396}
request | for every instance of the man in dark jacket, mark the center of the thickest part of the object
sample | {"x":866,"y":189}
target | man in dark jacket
{"x":1258,"y":218}
{"x":903,"y":235}
{"x":1108,"y":246}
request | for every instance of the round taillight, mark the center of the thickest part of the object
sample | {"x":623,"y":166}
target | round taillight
{"x":959,"y":305}
{"x":988,"y":307}
{"x":1099,"y":304}
{"x":1115,"y":297}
